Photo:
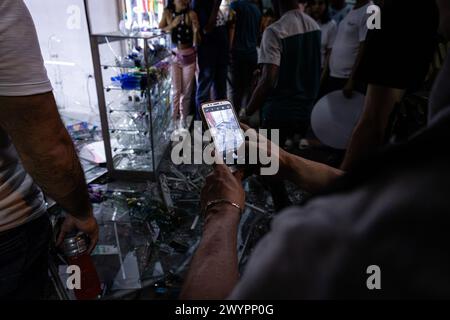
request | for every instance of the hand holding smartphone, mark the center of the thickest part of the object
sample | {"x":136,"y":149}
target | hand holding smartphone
{"x":225,"y":129}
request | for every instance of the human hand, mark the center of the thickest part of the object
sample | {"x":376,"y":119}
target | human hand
{"x":88,"y":226}
{"x":175,"y":22}
{"x":261,"y":145}
{"x":222,"y":184}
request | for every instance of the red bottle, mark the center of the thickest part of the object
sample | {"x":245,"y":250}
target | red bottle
{"x":75,"y":249}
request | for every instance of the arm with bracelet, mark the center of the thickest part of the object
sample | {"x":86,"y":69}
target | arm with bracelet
{"x":214,"y":269}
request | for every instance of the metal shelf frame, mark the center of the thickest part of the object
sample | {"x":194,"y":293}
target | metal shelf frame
{"x":100,"y":39}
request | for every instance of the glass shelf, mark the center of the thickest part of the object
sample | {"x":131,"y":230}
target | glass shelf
{"x":152,"y":64}
{"x":157,"y":33}
{"x":135,"y":119}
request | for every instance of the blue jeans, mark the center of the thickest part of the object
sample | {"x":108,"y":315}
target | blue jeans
{"x":213,"y":70}
{"x":24,"y":260}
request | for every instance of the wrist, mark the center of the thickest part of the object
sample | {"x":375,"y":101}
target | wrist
{"x":286,"y":163}
{"x":223,"y":212}
{"x":85,"y":216}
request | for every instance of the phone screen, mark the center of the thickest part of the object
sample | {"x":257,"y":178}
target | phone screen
{"x":224,"y":127}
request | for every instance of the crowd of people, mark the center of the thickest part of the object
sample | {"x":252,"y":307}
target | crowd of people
{"x":385,"y":206}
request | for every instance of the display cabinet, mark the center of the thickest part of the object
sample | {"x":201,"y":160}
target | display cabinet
{"x":133,"y":82}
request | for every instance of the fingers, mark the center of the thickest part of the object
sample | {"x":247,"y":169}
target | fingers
{"x":93,"y":241}
{"x":61,"y":236}
{"x":222,"y":170}
{"x":66,"y":227}
{"x":244,"y":126}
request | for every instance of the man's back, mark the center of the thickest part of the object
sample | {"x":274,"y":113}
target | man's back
{"x":292,"y":43}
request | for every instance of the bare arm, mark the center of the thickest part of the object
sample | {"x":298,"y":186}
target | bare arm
{"x":214,"y":269}
{"x":48,"y":154}
{"x":308,"y":175}
{"x":326,"y":67}
{"x":348,"y":90}
{"x":266,"y":84}
{"x":232,"y":29}
{"x":167,"y":24}
{"x":195,"y":27}
{"x":163,"y":23}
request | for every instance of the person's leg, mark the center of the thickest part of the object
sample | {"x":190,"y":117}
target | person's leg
{"x":237,"y":81}
{"x":188,"y":86}
{"x":206,"y":74}
{"x":251,"y":66}
{"x":177,"y":86}
{"x":220,"y":81}
{"x":24,"y":260}
{"x":370,"y":131}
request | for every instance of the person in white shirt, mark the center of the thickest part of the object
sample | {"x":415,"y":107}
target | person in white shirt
{"x":347,"y":51}
{"x":319,"y":11}
{"x":36,"y":153}
{"x":339,"y":10}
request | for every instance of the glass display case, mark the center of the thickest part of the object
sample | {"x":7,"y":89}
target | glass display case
{"x":132,"y":71}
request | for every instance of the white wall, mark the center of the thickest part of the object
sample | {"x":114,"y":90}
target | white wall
{"x":63,"y":36}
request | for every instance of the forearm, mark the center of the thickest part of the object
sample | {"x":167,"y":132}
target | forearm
{"x":308,"y":175}
{"x":59,"y":173}
{"x":326,"y":67}
{"x":214,"y":268}
{"x":259,"y":97}
{"x":46,"y":150}
{"x":231,"y":33}
{"x":357,"y":61}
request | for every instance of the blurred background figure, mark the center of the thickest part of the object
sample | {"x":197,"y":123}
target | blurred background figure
{"x":213,"y":57}
{"x":302,"y":5}
{"x":183,"y":24}
{"x":339,"y":10}
{"x":289,"y":80}
{"x":319,"y":11}
{"x":244,"y":35}
{"x":347,"y":52}
{"x":396,"y":62}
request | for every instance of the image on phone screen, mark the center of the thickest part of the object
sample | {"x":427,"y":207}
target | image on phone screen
{"x":224,"y":127}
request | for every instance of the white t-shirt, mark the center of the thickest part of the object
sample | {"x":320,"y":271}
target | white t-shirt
{"x":329,"y":32}
{"x":351,"y":32}
{"x":22,"y":73}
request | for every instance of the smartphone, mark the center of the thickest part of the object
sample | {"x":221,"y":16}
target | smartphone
{"x":226,"y":132}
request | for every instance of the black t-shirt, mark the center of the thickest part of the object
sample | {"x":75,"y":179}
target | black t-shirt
{"x":399,"y":55}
